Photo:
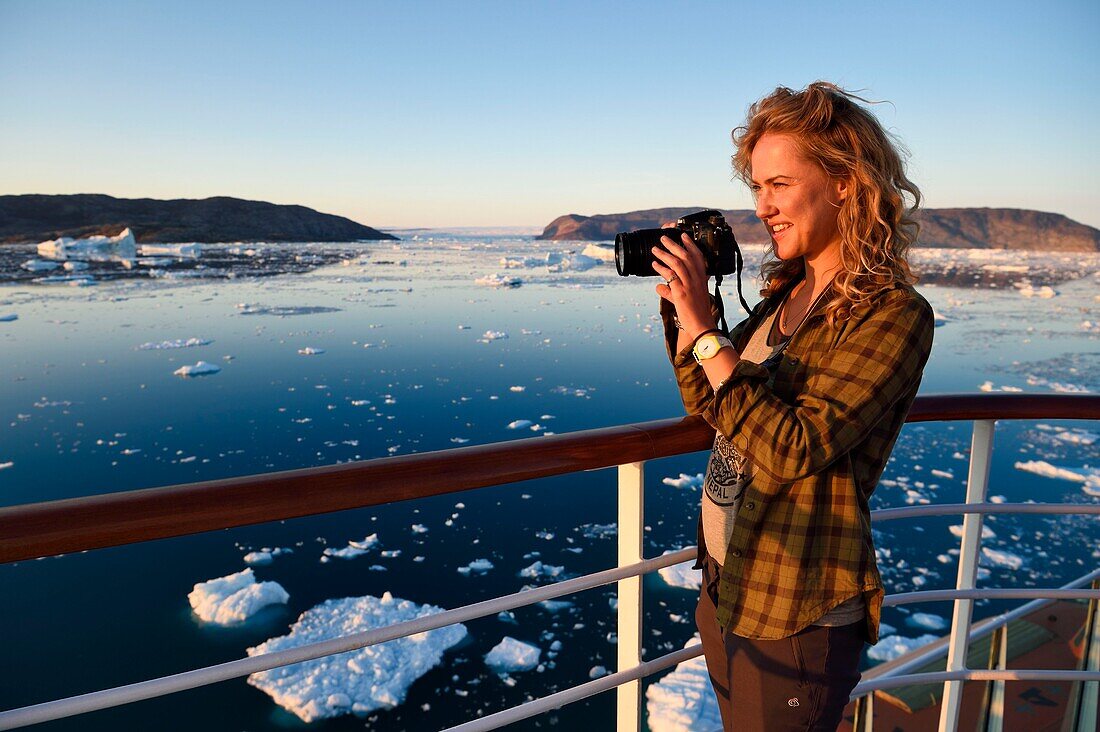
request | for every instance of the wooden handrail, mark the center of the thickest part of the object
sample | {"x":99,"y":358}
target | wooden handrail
{"x":113,"y":519}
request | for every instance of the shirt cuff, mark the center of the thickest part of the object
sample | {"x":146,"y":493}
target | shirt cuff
{"x":742,"y":371}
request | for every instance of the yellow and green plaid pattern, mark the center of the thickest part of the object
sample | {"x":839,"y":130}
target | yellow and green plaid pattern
{"x":819,"y":433}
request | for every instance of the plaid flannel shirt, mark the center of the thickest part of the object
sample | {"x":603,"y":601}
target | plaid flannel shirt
{"x":819,"y":432}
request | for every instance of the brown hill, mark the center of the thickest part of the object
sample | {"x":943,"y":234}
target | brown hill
{"x":977,"y":228}
{"x":33,"y":218}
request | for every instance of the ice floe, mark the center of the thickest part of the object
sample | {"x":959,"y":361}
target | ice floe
{"x":310,"y":351}
{"x":360,"y":681}
{"x":173,"y":344}
{"x":8,"y":318}
{"x":685,"y":481}
{"x":202,"y":368}
{"x":190,"y":250}
{"x":498,"y":280}
{"x":519,"y":424}
{"x":602,"y":253}
{"x":1087,"y":475}
{"x":890,"y":647}
{"x":492,"y":335}
{"x":684,"y":701}
{"x":234,"y":598}
{"x":478,"y":566}
{"x":511,"y":655}
{"x":1001,"y":558}
{"x":927,"y":621}
{"x":538,"y":569}
{"x":352,"y":550}
{"x":120,"y":248}
{"x":682,"y":575}
{"x":562,"y":261}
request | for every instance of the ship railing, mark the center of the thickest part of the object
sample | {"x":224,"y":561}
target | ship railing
{"x":80,"y":524}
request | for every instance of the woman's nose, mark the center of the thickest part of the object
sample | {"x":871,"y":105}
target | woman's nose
{"x":764,"y":206}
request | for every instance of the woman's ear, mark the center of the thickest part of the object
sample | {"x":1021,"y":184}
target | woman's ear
{"x":842,"y":188}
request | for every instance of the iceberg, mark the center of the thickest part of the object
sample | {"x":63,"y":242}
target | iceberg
{"x":121,"y":248}
{"x":682,"y":575}
{"x":234,"y":598}
{"x":202,"y":368}
{"x":512,"y":655}
{"x":890,"y":647}
{"x":191,"y":250}
{"x":359,"y":681}
{"x":600,"y":252}
{"x":684,"y":700}
{"x":562,"y":261}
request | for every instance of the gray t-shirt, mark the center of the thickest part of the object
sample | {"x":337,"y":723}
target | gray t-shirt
{"x":729,"y":472}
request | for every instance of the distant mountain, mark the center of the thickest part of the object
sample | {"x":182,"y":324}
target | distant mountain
{"x":34,"y":218}
{"x":944,"y":228}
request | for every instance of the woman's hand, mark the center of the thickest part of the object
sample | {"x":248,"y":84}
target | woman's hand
{"x":684,"y":270}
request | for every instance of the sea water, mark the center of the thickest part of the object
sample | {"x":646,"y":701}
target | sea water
{"x":360,"y":351}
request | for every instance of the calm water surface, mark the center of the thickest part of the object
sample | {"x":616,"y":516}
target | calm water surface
{"x":406,"y":368}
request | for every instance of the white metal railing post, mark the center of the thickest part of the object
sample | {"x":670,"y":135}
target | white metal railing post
{"x":977,"y":481}
{"x":629,"y":613}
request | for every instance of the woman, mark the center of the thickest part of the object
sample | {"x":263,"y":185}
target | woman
{"x":807,"y":397}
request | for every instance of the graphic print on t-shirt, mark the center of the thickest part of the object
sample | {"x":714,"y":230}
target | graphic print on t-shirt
{"x":727,"y":473}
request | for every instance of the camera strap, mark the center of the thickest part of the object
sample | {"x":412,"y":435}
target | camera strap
{"x":739,"y":264}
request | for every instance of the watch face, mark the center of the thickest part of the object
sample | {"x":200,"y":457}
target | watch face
{"x":708,"y":346}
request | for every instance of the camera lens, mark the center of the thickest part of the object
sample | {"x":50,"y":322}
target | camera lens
{"x":633,"y":251}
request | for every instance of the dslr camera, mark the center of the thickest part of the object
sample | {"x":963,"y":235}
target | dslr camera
{"x":709,"y":231}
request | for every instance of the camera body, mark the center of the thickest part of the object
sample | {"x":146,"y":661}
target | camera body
{"x":709,"y":231}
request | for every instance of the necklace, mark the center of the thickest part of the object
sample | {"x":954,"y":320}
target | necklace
{"x":785,"y":324}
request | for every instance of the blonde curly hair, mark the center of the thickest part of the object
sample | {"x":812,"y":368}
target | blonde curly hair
{"x":876,"y":222}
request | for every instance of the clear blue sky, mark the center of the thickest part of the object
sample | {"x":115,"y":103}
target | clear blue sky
{"x":511,"y":113}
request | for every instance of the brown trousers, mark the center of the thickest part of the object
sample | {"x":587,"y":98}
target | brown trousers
{"x":797,"y":683}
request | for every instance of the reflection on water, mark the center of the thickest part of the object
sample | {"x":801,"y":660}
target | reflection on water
{"x":380,"y":349}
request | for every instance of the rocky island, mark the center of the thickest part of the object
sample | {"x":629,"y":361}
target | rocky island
{"x":34,"y":218}
{"x":941,"y":228}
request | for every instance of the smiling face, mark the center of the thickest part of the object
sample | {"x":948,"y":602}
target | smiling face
{"x":797,"y":200}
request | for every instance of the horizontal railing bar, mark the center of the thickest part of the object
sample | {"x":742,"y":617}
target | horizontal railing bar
{"x":980,"y":630}
{"x":947,"y":509}
{"x":938,"y":677}
{"x":909,"y":598}
{"x":576,"y":693}
{"x":113,"y":519}
{"x":205,"y":676}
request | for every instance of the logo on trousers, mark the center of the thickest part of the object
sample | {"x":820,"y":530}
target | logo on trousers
{"x":792,"y":702}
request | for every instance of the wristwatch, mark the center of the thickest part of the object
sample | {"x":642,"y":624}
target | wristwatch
{"x":709,"y":345}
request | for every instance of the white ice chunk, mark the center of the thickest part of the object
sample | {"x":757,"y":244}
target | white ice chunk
{"x":927,"y":621}
{"x":498,"y":280}
{"x":202,"y":368}
{"x":1088,"y":475}
{"x":359,"y":681}
{"x":957,"y":531}
{"x":682,"y":575}
{"x":478,"y":566}
{"x":562,"y":261}
{"x":684,"y":701}
{"x":511,"y":655}
{"x":891,"y":647}
{"x":1001,"y":558}
{"x":258,"y":558}
{"x":538,"y":569}
{"x":354,"y":548}
{"x":120,"y":248}
{"x":310,"y":351}
{"x":234,"y":598}
{"x":520,"y":424}
{"x":8,"y":317}
{"x":685,"y":481}
{"x":173,"y":344}
{"x":602,"y":253}
{"x":492,"y":335}
{"x":191,"y":250}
